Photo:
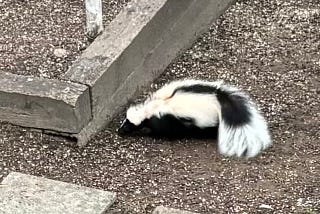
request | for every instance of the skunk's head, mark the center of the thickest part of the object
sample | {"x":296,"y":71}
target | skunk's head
{"x":133,"y":122}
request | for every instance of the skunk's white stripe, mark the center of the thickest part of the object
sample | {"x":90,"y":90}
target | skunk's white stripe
{"x":166,"y":91}
{"x":200,"y":107}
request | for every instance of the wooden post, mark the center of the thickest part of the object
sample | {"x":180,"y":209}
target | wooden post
{"x":94,"y":18}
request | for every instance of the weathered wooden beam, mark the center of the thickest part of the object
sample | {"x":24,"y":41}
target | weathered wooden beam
{"x":43,"y":103}
{"x":94,"y":18}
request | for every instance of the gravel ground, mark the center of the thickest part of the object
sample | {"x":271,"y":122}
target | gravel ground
{"x":31,"y":31}
{"x":269,"y":48}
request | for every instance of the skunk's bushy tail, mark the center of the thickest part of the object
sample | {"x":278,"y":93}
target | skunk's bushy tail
{"x":242,"y":128}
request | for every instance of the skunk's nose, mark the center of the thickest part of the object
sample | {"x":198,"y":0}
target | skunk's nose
{"x":126,"y":127}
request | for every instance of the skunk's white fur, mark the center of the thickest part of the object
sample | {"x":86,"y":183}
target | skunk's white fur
{"x":205,"y":110}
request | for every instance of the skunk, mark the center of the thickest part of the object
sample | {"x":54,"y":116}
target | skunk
{"x":186,"y":107}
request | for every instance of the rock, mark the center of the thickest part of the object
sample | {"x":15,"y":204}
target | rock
{"x":265,"y":206}
{"x":60,"y":52}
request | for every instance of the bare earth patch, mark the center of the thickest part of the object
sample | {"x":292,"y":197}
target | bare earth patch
{"x":32,"y":31}
{"x":268,"y":48}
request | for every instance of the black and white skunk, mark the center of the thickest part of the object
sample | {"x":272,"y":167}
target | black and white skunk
{"x":194,"y":106}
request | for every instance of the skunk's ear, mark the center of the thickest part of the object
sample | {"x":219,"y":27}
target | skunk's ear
{"x":127,"y":127}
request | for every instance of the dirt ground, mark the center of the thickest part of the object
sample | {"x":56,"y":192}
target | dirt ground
{"x":270,"y":48}
{"x":31,"y":31}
